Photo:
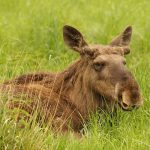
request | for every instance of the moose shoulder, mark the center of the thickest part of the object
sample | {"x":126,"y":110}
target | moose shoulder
{"x":98,"y":80}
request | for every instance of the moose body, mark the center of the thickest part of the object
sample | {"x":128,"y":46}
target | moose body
{"x":98,"y":81}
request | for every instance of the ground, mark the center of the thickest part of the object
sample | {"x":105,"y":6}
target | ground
{"x":31,"y":40}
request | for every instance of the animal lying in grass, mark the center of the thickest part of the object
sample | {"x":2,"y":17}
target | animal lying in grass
{"x":97,"y":81}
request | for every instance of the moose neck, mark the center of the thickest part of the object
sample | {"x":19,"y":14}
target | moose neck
{"x":80,"y":93}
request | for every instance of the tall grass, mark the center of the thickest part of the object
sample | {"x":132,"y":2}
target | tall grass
{"x":31,"y":40}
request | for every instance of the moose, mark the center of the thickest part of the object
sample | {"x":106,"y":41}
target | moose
{"x":98,"y":81}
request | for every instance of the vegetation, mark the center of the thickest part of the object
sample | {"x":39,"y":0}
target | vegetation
{"x":31,"y":40}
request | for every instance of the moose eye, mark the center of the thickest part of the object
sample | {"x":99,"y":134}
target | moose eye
{"x":99,"y":66}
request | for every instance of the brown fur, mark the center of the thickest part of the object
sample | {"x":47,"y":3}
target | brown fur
{"x":97,"y":81}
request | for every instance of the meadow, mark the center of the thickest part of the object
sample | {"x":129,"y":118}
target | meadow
{"x":31,"y":40}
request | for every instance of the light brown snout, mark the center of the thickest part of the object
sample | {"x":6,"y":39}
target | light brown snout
{"x":128,"y":94}
{"x":131,"y":100}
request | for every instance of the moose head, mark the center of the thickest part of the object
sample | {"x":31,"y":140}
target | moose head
{"x":105,"y":72}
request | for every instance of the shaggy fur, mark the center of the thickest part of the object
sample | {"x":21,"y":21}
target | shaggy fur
{"x":97,"y":81}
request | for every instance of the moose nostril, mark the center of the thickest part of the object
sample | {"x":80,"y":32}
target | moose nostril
{"x":124,"y":105}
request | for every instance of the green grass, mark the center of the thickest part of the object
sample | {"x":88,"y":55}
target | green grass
{"x":31,"y":40}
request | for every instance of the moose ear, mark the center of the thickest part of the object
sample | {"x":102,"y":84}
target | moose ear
{"x":73,"y":38}
{"x":124,"y":38}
